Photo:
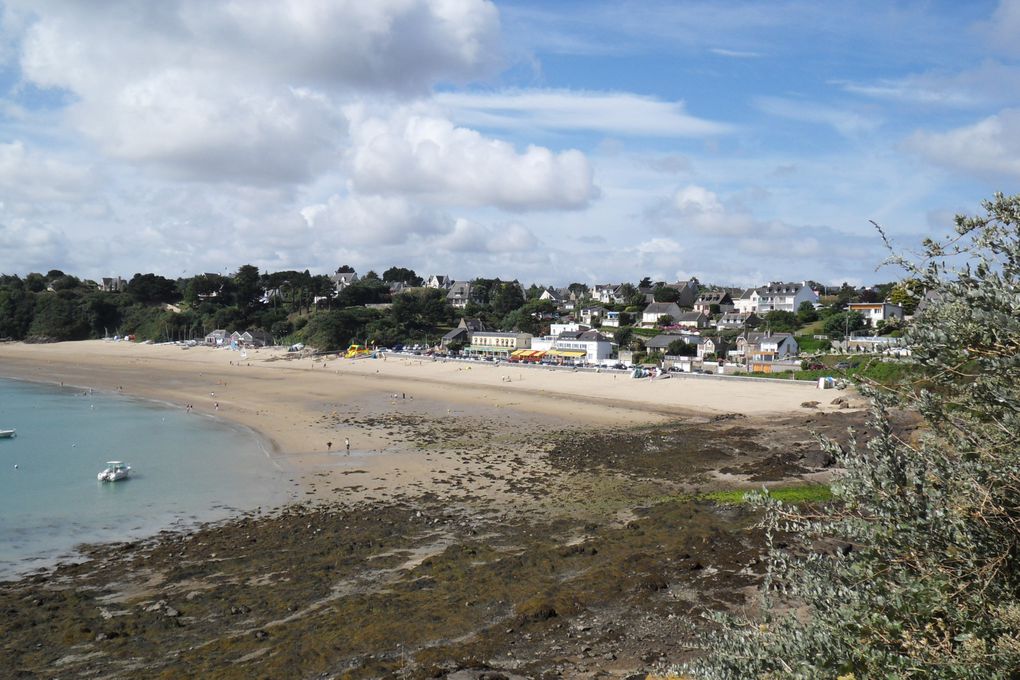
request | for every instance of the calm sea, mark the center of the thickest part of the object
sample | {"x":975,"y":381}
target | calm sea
{"x":186,"y":469}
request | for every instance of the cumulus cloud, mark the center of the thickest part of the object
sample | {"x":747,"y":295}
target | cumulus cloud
{"x":695,"y":208}
{"x":426,"y":155}
{"x":988,"y":148}
{"x":372,"y":220}
{"x":614,"y":113}
{"x":1003,"y":28}
{"x":227,"y":90}
{"x":30,"y":176}
{"x":472,"y":237}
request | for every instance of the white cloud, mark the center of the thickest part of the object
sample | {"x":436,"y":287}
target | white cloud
{"x":988,"y":148}
{"x":425,"y":155}
{"x":358,"y":220}
{"x":735,"y":54}
{"x":694,"y":208}
{"x":29,"y":176}
{"x":1003,"y":28}
{"x":243,"y":91}
{"x":614,"y":113}
{"x":472,"y":237}
{"x":845,"y":121}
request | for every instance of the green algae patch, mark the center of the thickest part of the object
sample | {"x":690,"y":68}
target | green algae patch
{"x":806,"y":493}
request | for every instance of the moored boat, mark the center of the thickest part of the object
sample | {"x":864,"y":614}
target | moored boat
{"x":114,"y":472}
{"x":7,"y":434}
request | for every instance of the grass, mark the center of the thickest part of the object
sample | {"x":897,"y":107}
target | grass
{"x":806,"y":493}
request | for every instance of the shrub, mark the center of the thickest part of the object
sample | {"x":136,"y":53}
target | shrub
{"x":924,"y":582}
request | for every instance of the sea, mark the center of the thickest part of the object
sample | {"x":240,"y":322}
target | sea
{"x":186,"y":469}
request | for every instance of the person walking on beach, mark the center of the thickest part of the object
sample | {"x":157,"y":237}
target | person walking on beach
{"x":329,"y":446}
{"x":347,"y":443}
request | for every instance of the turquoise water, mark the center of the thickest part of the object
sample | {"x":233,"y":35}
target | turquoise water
{"x":186,"y":469}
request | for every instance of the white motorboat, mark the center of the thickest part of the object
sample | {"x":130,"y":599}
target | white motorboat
{"x":114,"y":472}
{"x":7,"y":434}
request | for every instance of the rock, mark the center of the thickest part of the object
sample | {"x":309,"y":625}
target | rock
{"x":260,"y":635}
{"x":809,"y":404}
{"x":171,"y":612}
{"x":839,"y":401}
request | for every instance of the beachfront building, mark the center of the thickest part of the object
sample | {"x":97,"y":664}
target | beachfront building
{"x":764,"y":347}
{"x":497,"y":344}
{"x":660,"y":343}
{"x":875,"y":313}
{"x":588,"y":346}
{"x":462,"y":333}
{"x":218,"y":338}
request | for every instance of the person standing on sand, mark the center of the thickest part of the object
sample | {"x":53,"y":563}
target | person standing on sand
{"x":347,"y":443}
{"x":329,"y":446}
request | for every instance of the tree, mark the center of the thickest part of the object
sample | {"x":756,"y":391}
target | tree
{"x":780,"y":321}
{"x":806,"y":313}
{"x":666,"y":294}
{"x":679,"y":348}
{"x":646,"y":282}
{"x":247,"y":286}
{"x":152,"y":289}
{"x":907,"y":294}
{"x":401,"y":275}
{"x":843,"y":324}
{"x":506,"y":297}
{"x":923,"y":583}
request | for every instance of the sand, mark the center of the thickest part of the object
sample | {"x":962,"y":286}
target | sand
{"x":299,"y":402}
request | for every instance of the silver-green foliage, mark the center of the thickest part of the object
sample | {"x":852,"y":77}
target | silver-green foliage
{"x":914,"y":571}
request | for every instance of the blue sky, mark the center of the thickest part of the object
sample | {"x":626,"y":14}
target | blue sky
{"x":550,"y":142}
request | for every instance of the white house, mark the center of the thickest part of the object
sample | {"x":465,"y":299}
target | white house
{"x":766,"y":346}
{"x":784,"y":297}
{"x":875,"y":313}
{"x":343,"y":279}
{"x":589,"y":315}
{"x":440,"y":281}
{"x":747,"y":302}
{"x":611,"y":320}
{"x":607,"y":293}
{"x":650,"y":315}
{"x":595,"y":346}
{"x":718,"y":298}
{"x":692,"y":320}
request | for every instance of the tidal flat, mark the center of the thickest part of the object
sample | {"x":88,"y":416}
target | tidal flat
{"x":601,"y":560}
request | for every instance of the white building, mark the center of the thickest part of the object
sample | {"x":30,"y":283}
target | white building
{"x":595,"y":346}
{"x":875,"y":313}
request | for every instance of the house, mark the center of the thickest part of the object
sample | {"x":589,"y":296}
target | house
{"x":754,"y":346}
{"x":589,"y":315}
{"x":692,"y":320}
{"x":747,"y":301}
{"x":608,"y":293}
{"x":569,"y":327}
{"x":112,"y":284}
{"x":217,"y":338}
{"x":784,"y":297}
{"x":651,"y":314}
{"x":498,"y":344}
{"x":463,"y":331}
{"x":711,"y":348}
{"x":738,"y":320}
{"x":440,"y":281}
{"x":551,"y":295}
{"x":875,"y":313}
{"x":260,"y":339}
{"x":719,"y":299}
{"x":399,"y":287}
{"x":611,"y":320}
{"x":687,"y":292}
{"x":587,"y":346}
{"x":660,"y":343}
{"x":342,"y":279}
{"x":459,"y":294}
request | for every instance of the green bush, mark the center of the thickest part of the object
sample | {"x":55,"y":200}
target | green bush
{"x":911,"y":571}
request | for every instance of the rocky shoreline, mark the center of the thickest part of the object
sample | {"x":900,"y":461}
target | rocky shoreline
{"x":601,"y":565}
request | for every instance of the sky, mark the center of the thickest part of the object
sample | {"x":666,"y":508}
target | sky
{"x":551,"y":142}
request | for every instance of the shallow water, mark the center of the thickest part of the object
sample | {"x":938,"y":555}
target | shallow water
{"x":186,"y":468}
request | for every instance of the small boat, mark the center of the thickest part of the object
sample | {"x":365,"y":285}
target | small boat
{"x":7,"y":434}
{"x":114,"y":472}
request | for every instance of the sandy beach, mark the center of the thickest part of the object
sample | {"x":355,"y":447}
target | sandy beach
{"x":301,"y":404}
{"x":487,"y":517}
